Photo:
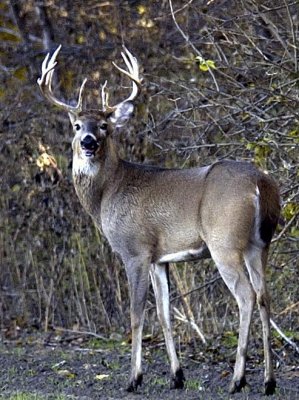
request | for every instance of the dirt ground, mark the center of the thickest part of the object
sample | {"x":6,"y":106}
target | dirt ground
{"x":78,"y":369}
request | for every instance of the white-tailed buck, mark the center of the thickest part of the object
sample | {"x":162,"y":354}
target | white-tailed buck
{"x":154,"y":216}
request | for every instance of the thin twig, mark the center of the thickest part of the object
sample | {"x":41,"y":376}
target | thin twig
{"x":175,"y":12}
{"x":83,"y":333}
{"x":293,"y":35}
{"x":288,"y":308}
{"x":294,"y":217}
{"x":197,"y":288}
{"x":288,"y":340}
{"x":181,"y":317}
{"x":191,"y":44}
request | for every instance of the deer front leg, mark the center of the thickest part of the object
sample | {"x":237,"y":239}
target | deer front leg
{"x":137,"y":273}
{"x":160,"y":285}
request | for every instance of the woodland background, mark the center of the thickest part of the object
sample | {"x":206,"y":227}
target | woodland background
{"x":221,"y":81}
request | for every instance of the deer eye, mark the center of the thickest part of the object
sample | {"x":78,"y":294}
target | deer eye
{"x":77,"y":127}
{"x":104,"y":126}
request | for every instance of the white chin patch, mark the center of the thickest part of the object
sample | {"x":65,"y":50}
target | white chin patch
{"x":88,"y":153}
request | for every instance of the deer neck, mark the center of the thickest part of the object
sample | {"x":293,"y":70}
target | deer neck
{"x":93,"y":177}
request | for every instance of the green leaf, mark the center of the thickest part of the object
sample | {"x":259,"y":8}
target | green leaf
{"x":205,"y":65}
{"x":211,"y":64}
{"x":290,"y":209}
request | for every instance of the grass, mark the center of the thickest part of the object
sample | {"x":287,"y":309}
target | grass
{"x":34,"y":396}
{"x":193,"y":384}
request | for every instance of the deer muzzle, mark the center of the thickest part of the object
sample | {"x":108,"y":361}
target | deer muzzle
{"x":89,"y":145}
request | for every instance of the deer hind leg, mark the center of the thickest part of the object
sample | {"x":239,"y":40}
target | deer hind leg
{"x":255,"y":259}
{"x":138,"y":276}
{"x":231,"y":268}
{"x":159,"y":279}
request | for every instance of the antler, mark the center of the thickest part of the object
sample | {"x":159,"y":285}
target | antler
{"x":133,"y":73}
{"x":48,"y":67}
{"x":45,"y":84}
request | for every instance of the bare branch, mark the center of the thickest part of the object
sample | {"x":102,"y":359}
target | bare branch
{"x":294,"y":37}
{"x":191,"y":44}
{"x":288,"y":340}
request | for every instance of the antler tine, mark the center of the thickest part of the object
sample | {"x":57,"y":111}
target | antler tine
{"x":131,"y":64}
{"x":133,"y":72}
{"x":45,"y":84}
{"x":80,"y":97}
{"x":105,"y":97}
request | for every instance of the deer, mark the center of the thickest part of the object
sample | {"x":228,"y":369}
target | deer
{"x":154,"y":216}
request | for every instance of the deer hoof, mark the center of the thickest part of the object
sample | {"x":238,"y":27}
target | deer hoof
{"x":178,"y":380}
{"x":270,"y":387}
{"x":133,"y":386}
{"x":237,"y":386}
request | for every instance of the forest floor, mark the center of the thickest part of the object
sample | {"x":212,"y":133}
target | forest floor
{"x":39,"y":368}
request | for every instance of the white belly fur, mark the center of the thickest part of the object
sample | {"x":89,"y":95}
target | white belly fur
{"x":184,"y":255}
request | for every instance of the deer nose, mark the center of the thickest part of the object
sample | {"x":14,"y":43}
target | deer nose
{"x":89,"y":143}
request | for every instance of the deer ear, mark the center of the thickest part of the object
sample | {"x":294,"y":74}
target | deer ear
{"x":122,"y":113}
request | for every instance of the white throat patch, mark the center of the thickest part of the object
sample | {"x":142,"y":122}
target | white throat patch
{"x":84,"y":166}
